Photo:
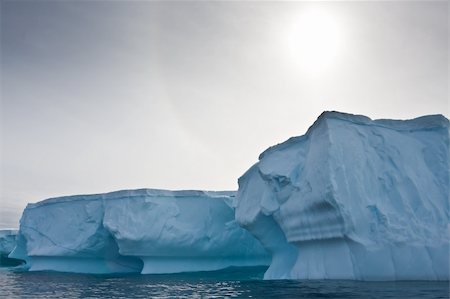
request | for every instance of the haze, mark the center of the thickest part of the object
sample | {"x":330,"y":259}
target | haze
{"x":98,"y":96}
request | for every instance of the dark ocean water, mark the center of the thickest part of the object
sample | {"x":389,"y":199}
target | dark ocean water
{"x":230,"y":283}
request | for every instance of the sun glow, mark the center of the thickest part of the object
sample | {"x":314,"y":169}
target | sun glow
{"x":314,"y":40}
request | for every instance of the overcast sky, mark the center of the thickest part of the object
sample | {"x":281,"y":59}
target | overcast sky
{"x":98,"y":96}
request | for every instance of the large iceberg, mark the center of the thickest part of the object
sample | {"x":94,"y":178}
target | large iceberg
{"x":144,"y":231}
{"x":353,"y":198}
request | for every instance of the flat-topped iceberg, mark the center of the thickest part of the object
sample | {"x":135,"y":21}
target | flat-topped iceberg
{"x":353,"y":198}
{"x":145,"y":231}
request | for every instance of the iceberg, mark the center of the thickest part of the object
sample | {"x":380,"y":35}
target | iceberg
{"x":7,"y":240}
{"x":353,"y":198}
{"x":7,"y":244}
{"x":136,"y":231}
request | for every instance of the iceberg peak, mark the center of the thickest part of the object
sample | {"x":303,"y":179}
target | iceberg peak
{"x":426,"y":122}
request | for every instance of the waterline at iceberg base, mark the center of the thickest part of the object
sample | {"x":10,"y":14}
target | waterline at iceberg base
{"x":7,"y":244}
{"x":353,"y":199}
{"x":136,"y":231}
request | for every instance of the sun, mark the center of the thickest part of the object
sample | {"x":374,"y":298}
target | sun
{"x":314,"y":40}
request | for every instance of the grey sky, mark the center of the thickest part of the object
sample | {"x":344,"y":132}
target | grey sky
{"x":98,"y":96}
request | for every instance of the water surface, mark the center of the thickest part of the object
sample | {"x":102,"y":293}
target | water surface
{"x":231,"y":283}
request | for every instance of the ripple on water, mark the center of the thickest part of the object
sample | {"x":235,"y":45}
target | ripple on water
{"x":230,"y":283}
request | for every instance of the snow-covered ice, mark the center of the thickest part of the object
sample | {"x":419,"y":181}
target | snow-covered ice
{"x":146,"y":231}
{"x":353,"y":198}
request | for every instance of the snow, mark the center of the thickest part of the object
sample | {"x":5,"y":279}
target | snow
{"x":353,"y":198}
{"x":146,"y":231}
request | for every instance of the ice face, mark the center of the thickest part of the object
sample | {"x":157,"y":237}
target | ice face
{"x":353,"y":199}
{"x":7,"y":240}
{"x":7,"y":244}
{"x":147,"y":231}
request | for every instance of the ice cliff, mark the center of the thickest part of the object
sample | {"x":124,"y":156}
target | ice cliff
{"x":353,"y":198}
{"x":7,"y":240}
{"x":7,"y":244}
{"x":146,"y":231}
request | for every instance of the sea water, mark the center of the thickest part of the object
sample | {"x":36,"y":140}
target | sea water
{"x":229,"y":283}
